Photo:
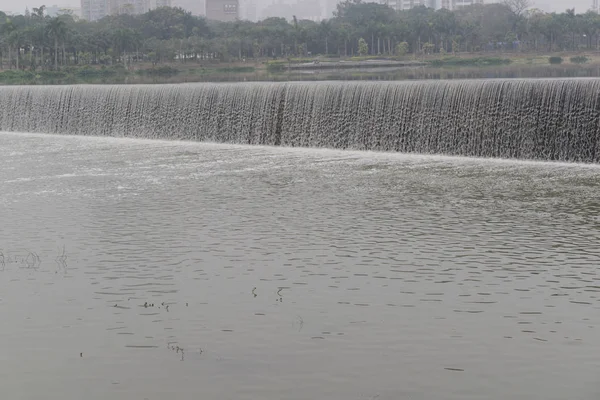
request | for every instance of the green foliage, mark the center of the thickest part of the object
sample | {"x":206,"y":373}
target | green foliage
{"x":428,"y":48}
{"x":363,"y":47}
{"x":579,"y":59}
{"x":17,"y":77}
{"x":401,"y":49}
{"x":276,"y":66}
{"x":455,"y":46}
{"x":555,"y":60}
{"x":235,"y":70}
{"x":463,"y":62}
{"x":365,"y":58}
{"x":164,"y":70}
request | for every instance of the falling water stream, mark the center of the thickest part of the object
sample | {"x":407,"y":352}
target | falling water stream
{"x":542,"y":119}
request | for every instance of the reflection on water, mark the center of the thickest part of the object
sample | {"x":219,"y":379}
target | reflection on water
{"x":423,"y":73}
{"x":382,"y":74}
{"x":139,"y":269}
{"x":408,"y":73}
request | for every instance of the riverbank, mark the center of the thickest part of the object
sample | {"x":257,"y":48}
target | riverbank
{"x":462,"y":66}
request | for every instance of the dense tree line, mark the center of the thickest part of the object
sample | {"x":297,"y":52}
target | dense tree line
{"x":35,"y":40}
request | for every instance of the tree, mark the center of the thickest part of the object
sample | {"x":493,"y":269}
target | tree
{"x":124,"y":40}
{"x":401,"y":49}
{"x":325,"y":31}
{"x":170,"y":34}
{"x":14,"y":41}
{"x":517,"y":8}
{"x":363,"y":47}
{"x":8,"y":28}
{"x":57,"y":29}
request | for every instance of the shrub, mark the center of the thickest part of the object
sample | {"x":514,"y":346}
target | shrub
{"x":555,"y":60}
{"x":236,"y":70}
{"x":164,"y":70}
{"x":465,"y":62}
{"x":276,"y":66}
{"x":579,"y":59}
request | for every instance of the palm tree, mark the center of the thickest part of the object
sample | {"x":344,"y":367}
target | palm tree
{"x":296,"y":34}
{"x":125,"y":40}
{"x":14,"y":41}
{"x":39,"y":31}
{"x":57,"y":29}
{"x":326,"y":31}
{"x":7,"y":29}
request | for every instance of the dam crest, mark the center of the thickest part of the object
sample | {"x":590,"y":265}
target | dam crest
{"x":537,"y":119}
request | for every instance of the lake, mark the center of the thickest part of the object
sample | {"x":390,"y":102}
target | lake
{"x":138,"y":269}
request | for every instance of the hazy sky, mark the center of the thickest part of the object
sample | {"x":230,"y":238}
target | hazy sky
{"x":19,"y":6}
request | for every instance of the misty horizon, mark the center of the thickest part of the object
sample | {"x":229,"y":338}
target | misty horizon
{"x":261,"y":9}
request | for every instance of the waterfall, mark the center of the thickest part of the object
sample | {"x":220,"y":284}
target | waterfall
{"x":545,"y":119}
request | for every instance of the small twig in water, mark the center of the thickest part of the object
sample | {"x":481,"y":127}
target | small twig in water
{"x":61,"y":259}
{"x":300,"y":322}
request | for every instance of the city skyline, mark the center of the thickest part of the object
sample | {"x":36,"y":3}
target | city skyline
{"x":259,"y":9}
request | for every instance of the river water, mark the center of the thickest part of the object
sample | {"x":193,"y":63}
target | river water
{"x":293,"y":274}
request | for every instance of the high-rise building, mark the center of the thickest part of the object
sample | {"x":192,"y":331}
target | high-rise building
{"x":53,"y":11}
{"x":93,"y":10}
{"x":223,"y":10}
{"x":400,"y":5}
{"x":128,"y":7}
{"x":456,"y":4}
{"x":248,"y":10}
{"x":196,"y":7}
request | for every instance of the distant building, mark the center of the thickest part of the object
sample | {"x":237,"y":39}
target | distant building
{"x":128,"y":7}
{"x":196,"y":7}
{"x":93,"y":10}
{"x":395,"y":4}
{"x":400,"y":5}
{"x":303,"y":10}
{"x":456,"y":4}
{"x":248,"y":10}
{"x":55,"y":10}
{"x":223,"y":10}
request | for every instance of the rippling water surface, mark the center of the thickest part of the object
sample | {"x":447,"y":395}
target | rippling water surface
{"x":293,"y":274}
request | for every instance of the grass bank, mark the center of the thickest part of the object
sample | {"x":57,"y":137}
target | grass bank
{"x":119,"y":74}
{"x":426,"y":67}
{"x":469,"y":62}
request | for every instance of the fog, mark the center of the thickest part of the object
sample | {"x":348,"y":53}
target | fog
{"x":260,"y":9}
